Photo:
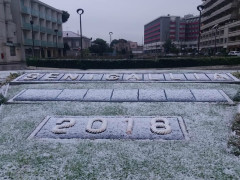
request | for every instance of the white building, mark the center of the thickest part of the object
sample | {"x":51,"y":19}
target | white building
{"x":20,"y":36}
{"x":9,"y":48}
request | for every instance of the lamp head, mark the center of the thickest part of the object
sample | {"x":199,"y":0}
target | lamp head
{"x":200,"y":8}
{"x":80,"y":11}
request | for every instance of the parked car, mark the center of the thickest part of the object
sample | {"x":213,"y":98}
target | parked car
{"x":180,"y":54}
{"x":219,"y":54}
{"x":234,"y":53}
{"x":190,"y":54}
{"x":171,"y":55}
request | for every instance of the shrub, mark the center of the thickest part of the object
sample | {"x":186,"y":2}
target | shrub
{"x":236,"y":74}
{"x":2,"y":99}
{"x":237,"y":97}
{"x":132,"y":63}
{"x":234,"y":141}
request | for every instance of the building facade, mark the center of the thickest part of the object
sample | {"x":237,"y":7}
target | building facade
{"x":191,"y":24}
{"x":9,"y":48}
{"x":74,"y":40}
{"x":38,"y":27}
{"x":220,"y":28}
{"x":159,"y":30}
{"x":181,"y":31}
{"x":126,"y":47}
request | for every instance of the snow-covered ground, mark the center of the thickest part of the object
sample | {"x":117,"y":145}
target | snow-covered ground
{"x":204,"y":156}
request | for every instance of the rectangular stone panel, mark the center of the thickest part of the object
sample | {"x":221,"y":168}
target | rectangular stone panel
{"x":112,"y":77}
{"x":138,"y":128}
{"x":133,"y":77}
{"x":52,"y":77}
{"x":99,"y":95}
{"x":71,"y":77}
{"x":38,"y":95}
{"x":174,"y":77}
{"x":208,"y":95}
{"x":31,"y":77}
{"x":148,"y":95}
{"x":122,"y":95}
{"x":154,"y":77}
{"x":72,"y":95}
{"x":92,"y":77}
{"x":197,"y":77}
{"x":219,"y":77}
{"x":179,"y":95}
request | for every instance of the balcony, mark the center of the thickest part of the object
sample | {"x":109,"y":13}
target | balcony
{"x":59,"y":21}
{"x":35,"y":28}
{"x":25,"y":9}
{"x":54,"y":20}
{"x":60,"y":45}
{"x":48,"y":18}
{"x":35,"y":13}
{"x":234,"y":43}
{"x":42,"y":29}
{"x":37,"y":43}
{"x":234,"y":33}
{"x":26,"y":26}
{"x":7,"y":1}
{"x":43,"y":43}
{"x":219,"y":11}
{"x":60,"y":33}
{"x":212,"y":6}
{"x":218,"y":21}
{"x":42,"y":15}
{"x":49,"y":31}
{"x":50,"y":44}
{"x":28,"y":42}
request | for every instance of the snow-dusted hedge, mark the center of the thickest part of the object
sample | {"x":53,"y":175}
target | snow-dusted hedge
{"x":2,"y":99}
{"x":237,"y":97}
{"x":133,"y":63}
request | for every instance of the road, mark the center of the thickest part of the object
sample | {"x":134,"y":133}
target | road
{"x":15,"y":66}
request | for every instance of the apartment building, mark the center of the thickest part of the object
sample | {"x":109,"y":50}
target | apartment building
{"x":220,"y":25}
{"x":182,"y":31}
{"x":9,"y":48}
{"x":39,"y":27}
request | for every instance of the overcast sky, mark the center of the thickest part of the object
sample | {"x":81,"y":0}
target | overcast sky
{"x":125,"y":18}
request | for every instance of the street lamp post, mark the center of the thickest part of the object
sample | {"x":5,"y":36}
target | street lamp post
{"x":200,"y":9}
{"x":31,"y":22}
{"x":110,"y":33}
{"x":56,"y":31}
{"x":80,"y":12}
{"x":215,"y":43}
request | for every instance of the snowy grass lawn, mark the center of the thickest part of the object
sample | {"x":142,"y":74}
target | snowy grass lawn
{"x":204,"y":156}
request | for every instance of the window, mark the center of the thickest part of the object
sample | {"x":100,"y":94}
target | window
{"x":77,"y":43}
{"x":12,"y":51}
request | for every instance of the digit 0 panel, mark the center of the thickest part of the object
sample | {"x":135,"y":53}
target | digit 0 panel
{"x":106,"y":127}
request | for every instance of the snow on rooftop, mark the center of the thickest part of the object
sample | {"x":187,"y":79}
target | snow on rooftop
{"x":71,"y":34}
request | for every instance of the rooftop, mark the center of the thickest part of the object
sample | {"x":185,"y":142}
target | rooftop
{"x":50,"y":7}
{"x":168,"y":16}
{"x":71,"y":34}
